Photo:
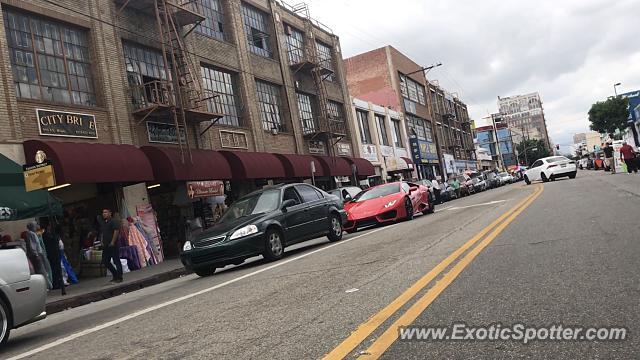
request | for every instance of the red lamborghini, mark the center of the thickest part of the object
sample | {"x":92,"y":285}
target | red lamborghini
{"x":387,"y":203}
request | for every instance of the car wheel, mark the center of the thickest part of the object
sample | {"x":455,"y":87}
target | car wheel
{"x":544,"y":177}
{"x":408,"y":207}
{"x":526,"y":179}
{"x":335,"y":228}
{"x":273,"y":245}
{"x":205,"y":271}
{"x":572,"y":176}
{"x":432,"y":207}
{"x":5,"y":323}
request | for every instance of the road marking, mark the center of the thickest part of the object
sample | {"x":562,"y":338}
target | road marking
{"x":183,"y":298}
{"x":443,"y":209}
{"x":367,"y":328}
{"x":474,"y":205}
{"x":391,"y":334}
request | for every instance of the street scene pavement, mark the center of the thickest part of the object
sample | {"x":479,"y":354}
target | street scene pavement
{"x":562,"y":252}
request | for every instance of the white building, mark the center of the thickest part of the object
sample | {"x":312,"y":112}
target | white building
{"x":525,"y":115}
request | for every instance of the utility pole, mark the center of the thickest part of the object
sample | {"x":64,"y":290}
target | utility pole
{"x":615,"y":91}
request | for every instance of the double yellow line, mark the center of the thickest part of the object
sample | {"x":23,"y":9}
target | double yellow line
{"x":389,"y":336}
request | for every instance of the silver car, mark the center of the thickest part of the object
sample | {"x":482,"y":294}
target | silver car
{"x":22,"y":295}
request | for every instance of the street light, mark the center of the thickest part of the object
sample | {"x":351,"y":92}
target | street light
{"x":615,"y":91}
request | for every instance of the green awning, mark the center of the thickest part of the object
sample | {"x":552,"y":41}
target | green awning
{"x":22,"y":204}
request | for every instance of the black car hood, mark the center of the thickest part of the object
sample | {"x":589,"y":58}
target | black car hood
{"x":223,"y":228}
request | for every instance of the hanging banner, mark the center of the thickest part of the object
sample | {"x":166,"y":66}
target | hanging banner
{"x":201,"y":189}
{"x":150,"y":225}
{"x":66,"y":124}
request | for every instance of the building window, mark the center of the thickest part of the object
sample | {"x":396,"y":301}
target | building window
{"x":226,"y":102}
{"x":146,"y":75}
{"x":412,"y":90}
{"x":396,"y":133}
{"x":305,"y":111}
{"x":50,"y":60}
{"x":270,"y":100}
{"x":420,"y":127}
{"x":325,"y":58}
{"x":255,"y":27}
{"x":213,"y":22}
{"x":295,"y":44}
{"x":363,"y":123}
{"x":336,"y":117}
{"x":382,"y":130}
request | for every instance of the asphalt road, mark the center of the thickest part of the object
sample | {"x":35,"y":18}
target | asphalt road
{"x":569,"y":254}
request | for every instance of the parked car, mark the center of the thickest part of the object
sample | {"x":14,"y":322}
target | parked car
{"x":505,"y":178}
{"x":447,"y":192}
{"x":583,"y":163}
{"x":429,"y":186}
{"x":466,"y":185}
{"x":22,"y":294}
{"x":492,"y":180}
{"x":550,"y":168}
{"x":264,"y":223}
{"x":387,"y":203}
{"x":479,"y":184}
{"x":345,"y":194}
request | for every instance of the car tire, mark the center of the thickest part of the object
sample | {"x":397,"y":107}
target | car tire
{"x":5,"y":323}
{"x":408,"y":207}
{"x":431,"y":208}
{"x":526,"y":179}
{"x":572,"y":175}
{"x":205,"y":271}
{"x":273,"y":245}
{"x":544,"y":177}
{"x":335,"y":228}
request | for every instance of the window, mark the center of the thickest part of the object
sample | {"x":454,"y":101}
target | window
{"x":291,"y":194}
{"x":226,"y":102}
{"x":336,"y":117}
{"x":269,"y":98}
{"x":145,"y":66}
{"x":412,"y":90}
{"x":255,"y":27}
{"x":420,"y":127}
{"x":295,"y":44}
{"x":537,"y":164}
{"x":305,"y":111}
{"x":213,"y":22}
{"x":363,"y":123}
{"x":382,"y":130}
{"x":50,"y":60}
{"x":396,"y":133}
{"x":307,"y":193}
{"x":325,"y":57}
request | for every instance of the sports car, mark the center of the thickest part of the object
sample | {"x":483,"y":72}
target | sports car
{"x":387,"y":203}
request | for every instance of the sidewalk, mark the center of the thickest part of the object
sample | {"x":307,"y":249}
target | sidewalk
{"x":96,"y":289}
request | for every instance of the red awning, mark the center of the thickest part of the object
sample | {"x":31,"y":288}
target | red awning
{"x":168,"y":165}
{"x":299,"y":166}
{"x":407,"y":160}
{"x":77,"y":162}
{"x":334,"y":165}
{"x":363,"y":166}
{"x":253,"y":165}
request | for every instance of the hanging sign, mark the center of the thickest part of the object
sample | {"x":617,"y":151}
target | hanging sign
{"x":38,"y":176}
{"x":200,"y":189}
{"x":66,"y":124}
{"x":164,"y":133}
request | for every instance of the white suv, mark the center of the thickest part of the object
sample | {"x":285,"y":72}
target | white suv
{"x":550,"y":168}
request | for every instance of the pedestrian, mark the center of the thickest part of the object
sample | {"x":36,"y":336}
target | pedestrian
{"x":608,"y":155}
{"x":629,"y":157}
{"x":52,"y":246}
{"x":437,"y":190}
{"x":456,"y":187}
{"x":36,"y":253}
{"x":109,"y":231}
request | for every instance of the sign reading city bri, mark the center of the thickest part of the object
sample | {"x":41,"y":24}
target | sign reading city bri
{"x":66,"y":124}
{"x":38,"y":176}
{"x":202,"y":189}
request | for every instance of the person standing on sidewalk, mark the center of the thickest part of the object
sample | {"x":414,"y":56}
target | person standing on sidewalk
{"x":437,"y":190}
{"x":109,"y":230}
{"x":608,"y":155}
{"x":456,"y":187}
{"x":629,"y":157}
{"x":52,"y":246}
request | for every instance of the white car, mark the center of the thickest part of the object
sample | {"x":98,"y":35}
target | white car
{"x":550,"y":168}
{"x":505,"y":178}
{"x":22,"y":295}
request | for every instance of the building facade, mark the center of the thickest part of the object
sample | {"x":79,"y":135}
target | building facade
{"x":579,"y":138}
{"x":632,"y":135}
{"x":119,"y":95}
{"x":525,"y":114}
{"x":383,"y":141}
{"x":494,"y":135}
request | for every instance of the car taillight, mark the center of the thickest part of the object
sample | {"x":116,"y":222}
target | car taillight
{"x":552,"y":165}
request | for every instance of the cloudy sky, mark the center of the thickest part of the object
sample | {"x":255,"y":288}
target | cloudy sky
{"x":571,"y":51}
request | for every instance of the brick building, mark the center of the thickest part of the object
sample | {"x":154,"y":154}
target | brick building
{"x":525,"y":115}
{"x":121,"y":94}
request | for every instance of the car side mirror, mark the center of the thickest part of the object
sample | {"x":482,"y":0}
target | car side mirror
{"x":287,"y":204}
{"x":413,"y":188}
{"x":347,"y":198}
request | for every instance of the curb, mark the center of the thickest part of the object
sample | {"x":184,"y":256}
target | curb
{"x":109,"y":292}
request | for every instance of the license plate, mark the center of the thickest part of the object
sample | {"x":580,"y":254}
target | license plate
{"x":563,"y":165}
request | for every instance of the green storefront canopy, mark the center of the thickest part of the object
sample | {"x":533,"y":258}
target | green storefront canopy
{"x":22,"y":204}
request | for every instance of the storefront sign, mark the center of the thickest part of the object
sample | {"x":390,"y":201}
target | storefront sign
{"x":164,"y":133}
{"x":386,"y":150}
{"x":38,"y":176}
{"x":200,"y":189}
{"x":424,"y":152}
{"x":370,"y":153}
{"x":233,"y":139}
{"x":342,"y":179}
{"x":344,"y":149}
{"x":316,"y":147}
{"x":66,"y":124}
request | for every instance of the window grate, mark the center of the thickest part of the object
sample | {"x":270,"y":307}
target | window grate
{"x":295,"y":45}
{"x":305,"y":110}
{"x":226,"y":102}
{"x":270,"y":100}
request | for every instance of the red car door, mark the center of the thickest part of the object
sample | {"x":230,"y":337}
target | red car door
{"x":417,"y":195}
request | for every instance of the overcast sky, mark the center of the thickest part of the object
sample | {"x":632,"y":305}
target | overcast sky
{"x":571,"y":51}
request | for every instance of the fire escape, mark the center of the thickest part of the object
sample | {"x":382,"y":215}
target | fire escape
{"x":179,"y":96}
{"x":327,"y":127}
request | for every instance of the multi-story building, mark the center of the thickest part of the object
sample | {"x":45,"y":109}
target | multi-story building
{"x":388,"y":78}
{"x":493,"y":135}
{"x":453,"y":129}
{"x":579,"y":138}
{"x":525,"y":114}
{"x":632,"y":134}
{"x":121,"y":94}
{"x":383,"y":140}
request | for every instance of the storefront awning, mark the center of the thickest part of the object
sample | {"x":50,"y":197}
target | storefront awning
{"x":299,"y":166}
{"x":334,"y":165}
{"x":168,"y":165}
{"x":408,"y":161}
{"x":363,"y":166}
{"x":252,"y":165}
{"x":78,"y":162}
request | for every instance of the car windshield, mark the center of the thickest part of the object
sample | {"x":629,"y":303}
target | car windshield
{"x":263,"y":202}
{"x":378,"y":191}
{"x":556,"y":159}
{"x":504,"y":174}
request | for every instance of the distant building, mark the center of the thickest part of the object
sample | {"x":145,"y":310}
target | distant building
{"x":493,"y":135}
{"x":525,"y":115}
{"x":632,"y":136}
{"x":594,"y":140}
{"x":579,"y":137}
